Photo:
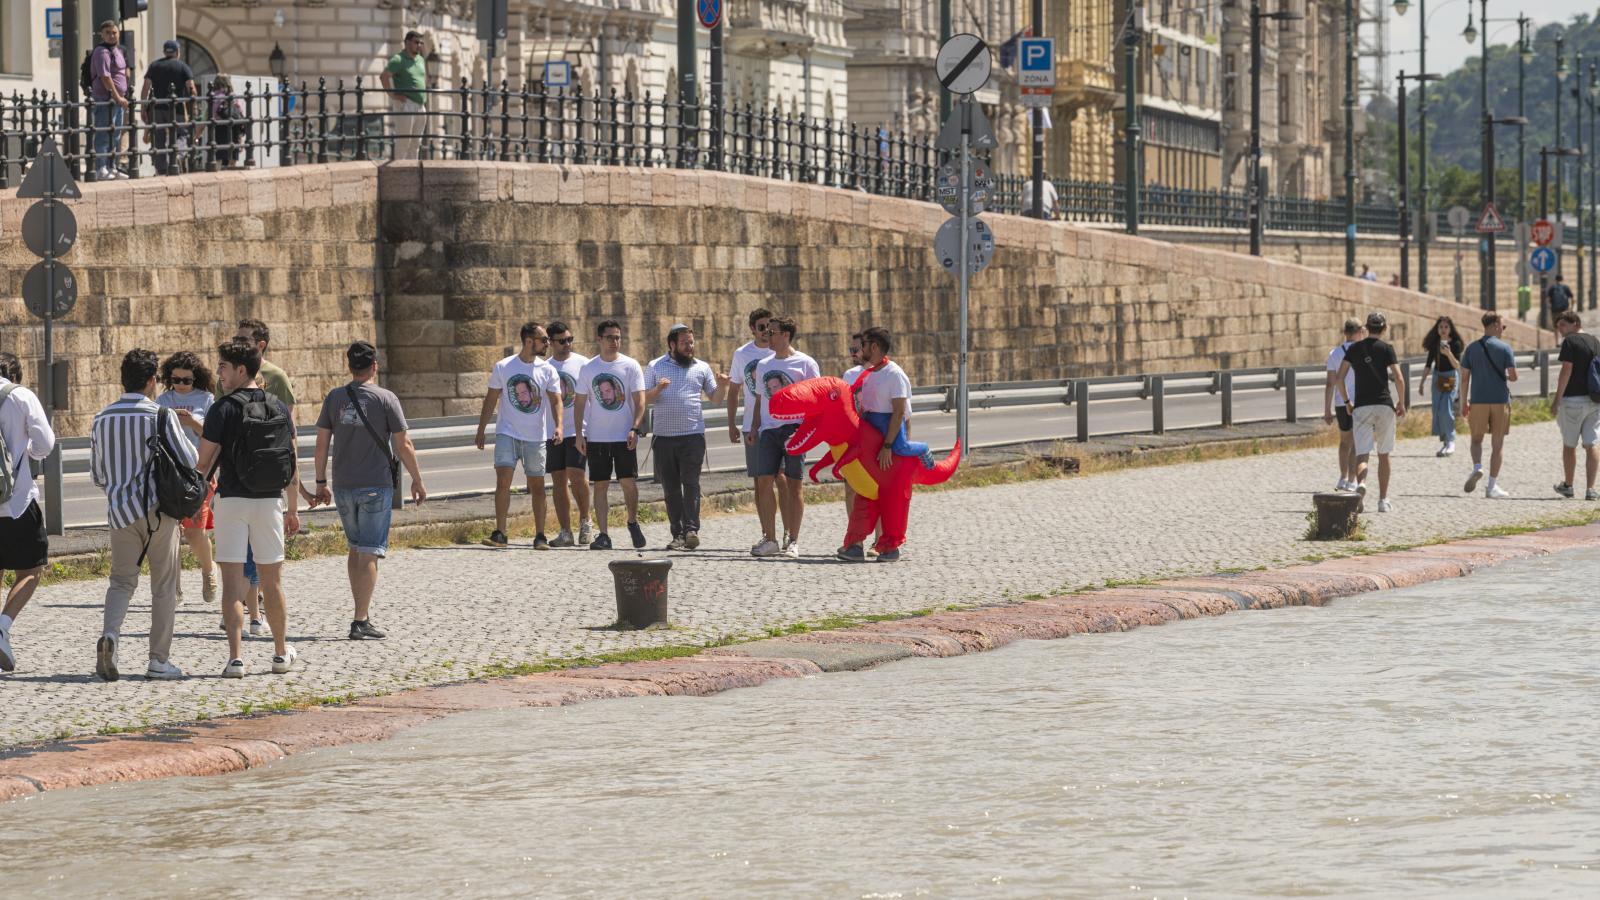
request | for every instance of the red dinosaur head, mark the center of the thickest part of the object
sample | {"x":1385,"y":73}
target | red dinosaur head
{"x":825,"y":409}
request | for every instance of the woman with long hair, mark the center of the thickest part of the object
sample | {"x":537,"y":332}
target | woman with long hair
{"x":1444,"y":345}
{"x":188,"y":395}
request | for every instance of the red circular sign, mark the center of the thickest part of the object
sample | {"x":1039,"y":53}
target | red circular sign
{"x":1543,"y":232}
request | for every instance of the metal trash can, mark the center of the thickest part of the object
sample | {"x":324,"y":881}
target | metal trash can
{"x":641,"y":592}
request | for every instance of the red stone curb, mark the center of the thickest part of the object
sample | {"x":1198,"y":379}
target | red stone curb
{"x":235,"y":744}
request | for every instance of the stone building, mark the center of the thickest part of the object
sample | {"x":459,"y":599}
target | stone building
{"x":1082,"y":142}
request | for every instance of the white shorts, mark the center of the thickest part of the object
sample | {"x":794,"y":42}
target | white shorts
{"x":1579,"y":418}
{"x":242,"y":525}
{"x":1373,"y":430}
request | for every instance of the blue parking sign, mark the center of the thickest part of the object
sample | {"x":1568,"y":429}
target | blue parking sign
{"x":1542,"y":259}
{"x":1036,"y":62}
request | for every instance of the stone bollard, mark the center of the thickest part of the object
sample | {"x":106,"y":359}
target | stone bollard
{"x":641,"y":592}
{"x":1337,"y":513}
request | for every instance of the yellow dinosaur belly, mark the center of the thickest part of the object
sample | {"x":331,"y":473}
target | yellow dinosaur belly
{"x":855,"y":475}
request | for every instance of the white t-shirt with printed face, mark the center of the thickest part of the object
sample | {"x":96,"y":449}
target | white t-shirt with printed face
{"x":745,"y":360}
{"x":609,"y":386}
{"x":567,"y":369}
{"x":883,"y":387}
{"x":523,"y":387}
{"x":774,"y":374}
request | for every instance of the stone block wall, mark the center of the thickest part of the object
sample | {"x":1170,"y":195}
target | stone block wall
{"x":173,"y":263}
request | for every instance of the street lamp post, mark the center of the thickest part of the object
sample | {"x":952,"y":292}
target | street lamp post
{"x":1350,"y":138}
{"x":1256,"y":189}
{"x":1577,"y":141}
{"x":1423,"y":216}
{"x":1594,"y":188}
{"x":1405,"y":187}
{"x":1486,"y":244}
{"x":1524,"y":56}
{"x":1544,"y":210}
{"x":1561,"y":75}
{"x":1132,"y":35}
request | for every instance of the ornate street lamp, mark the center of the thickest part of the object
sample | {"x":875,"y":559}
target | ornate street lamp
{"x":1400,"y":7}
{"x":277,"y":63}
{"x":1470,"y":33}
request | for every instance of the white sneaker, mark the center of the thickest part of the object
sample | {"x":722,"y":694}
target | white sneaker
{"x":1450,"y":449}
{"x":102,"y":174}
{"x":1341,"y":486}
{"x":256,"y":627}
{"x":1385,"y":505}
{"x":585,"y":535}
{"x":162,"y":671}
{"x":766,"y":548}
{"x":1496,"y":492}
{"x":793,"y":550}
{"x":1443,"y":451}
{"x":8,"y":660}
{"x":234,"y":669}
{"x":119,"y":175}
{"x":282,"y":664}
{"x":1472,"y":481}
{"x":1361,"y":488}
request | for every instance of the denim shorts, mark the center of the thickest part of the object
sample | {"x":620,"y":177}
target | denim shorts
{"x":507,"y":450}
{"x":365,"y":513}
{"x":772,"y":456}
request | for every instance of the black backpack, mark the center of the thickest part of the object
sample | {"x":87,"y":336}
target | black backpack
{"x":180,"y":490}
{"x":263,"y":450}
{"x":86,"y":80}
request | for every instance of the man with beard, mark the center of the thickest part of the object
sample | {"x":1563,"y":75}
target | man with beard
{"x":682,"y":383}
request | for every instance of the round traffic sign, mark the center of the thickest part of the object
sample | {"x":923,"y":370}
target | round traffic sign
{"x":709,"y":12}
{"x":1542,"y":259}
{"x":947,"y":188}
{"x":962,"y":64}
{"x":1458,"y":217}
{"x":49,"y":287}
{"x":980,"y":245}
{"x":1543,"y":232}
{"x":45,"y":235}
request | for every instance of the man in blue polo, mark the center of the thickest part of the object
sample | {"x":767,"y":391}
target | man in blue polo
{"x":681,"y":385}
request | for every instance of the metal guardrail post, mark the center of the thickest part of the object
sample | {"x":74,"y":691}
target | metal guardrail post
{"x":1286,"y":378}
{"x":1405,"y":379}
{"x":1080,"y":396}
{"x":1227,"y":399}
{"x":1542,"y":359}
{"x":1158,"y":404}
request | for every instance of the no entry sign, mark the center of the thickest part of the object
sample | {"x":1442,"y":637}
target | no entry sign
{"x":1544,"y":231}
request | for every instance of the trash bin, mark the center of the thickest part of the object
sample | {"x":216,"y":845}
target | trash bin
{"x":641,"y":592}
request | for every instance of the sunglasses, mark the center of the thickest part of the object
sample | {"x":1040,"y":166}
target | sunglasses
{"x":180,"y":381}
{"x":762,"y":329}
{"x":565,"y":342}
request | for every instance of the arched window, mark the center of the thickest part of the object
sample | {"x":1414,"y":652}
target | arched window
{"x":200,"y":61}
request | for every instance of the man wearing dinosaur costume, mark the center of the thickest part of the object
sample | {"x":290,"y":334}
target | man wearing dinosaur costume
{"x":826,"y":411}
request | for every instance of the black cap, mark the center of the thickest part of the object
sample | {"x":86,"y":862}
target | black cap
{"x":361,"y":355}
{"x":1376,"y":320}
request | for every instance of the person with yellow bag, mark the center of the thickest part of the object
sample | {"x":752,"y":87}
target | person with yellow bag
{"x":1444,"y":346}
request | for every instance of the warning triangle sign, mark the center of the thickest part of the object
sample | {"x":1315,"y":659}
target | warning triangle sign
{"x":48,"y":176}
{"x":1490,"y":222}
{"x":980,"y":136}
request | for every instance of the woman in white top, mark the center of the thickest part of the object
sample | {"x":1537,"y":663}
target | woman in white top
{"x":189,"y":395}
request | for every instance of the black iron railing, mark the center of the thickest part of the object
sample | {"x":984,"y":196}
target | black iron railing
{"x":328,"y":122}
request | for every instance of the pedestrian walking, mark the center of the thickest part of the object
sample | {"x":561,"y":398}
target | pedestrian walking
{"x":108,"y":90}
{"x":1347,"y":446}
{"x":1049,"y":201}
{"x":1367,"y":274}
{"x":168,"y":87}
{"x":227,"y":121}
{"x":849,"y":377}
{"x":1444,"y":346}
{"x":405,"y":78}
{"x":742,"y":426}
{"x":883,"y":391}
{"x":1373,"y":408}
{"x":122,"y":442}
{"x":25,"y":434}
{"x":1488,"y":366}
{"x":249,"y":437}
{"x":609,"y":416}
{"x":780,"y":490}
{"x":275,"y":382}
{"x":361,"y":421}
{"x":1576,"y":403}
{"x":523,"y":387}
{"x":566,"y":466}
{"x":678,"y":432}
{"x":189,"y":396}
{"x":1558,"y":297}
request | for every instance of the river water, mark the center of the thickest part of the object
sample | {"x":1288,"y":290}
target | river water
{"x":1437,"y":741}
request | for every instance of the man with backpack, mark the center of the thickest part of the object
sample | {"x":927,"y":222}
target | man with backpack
{"x":108,"y":88}
{"x":124,"y":440}
{"x":360,"y":420}
{"x":168,"y":90}
{"x":25,"y":434}
{"x":1487,"y":369}
{"x":248,"y":438}
{"x":1558,"y":299}
{"x":1576,"y":402}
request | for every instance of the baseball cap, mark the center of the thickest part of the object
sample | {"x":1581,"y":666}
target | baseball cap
{"x":1376,"y":320}
{"x":170,"y":47}
{"x":361,"y":355}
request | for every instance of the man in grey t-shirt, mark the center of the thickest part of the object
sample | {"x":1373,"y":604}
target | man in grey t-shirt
{"x":362,"y":421}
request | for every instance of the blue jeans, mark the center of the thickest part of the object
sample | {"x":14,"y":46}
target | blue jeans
{"x":903,"y":445}
{"x":365,"y":513}
{"x":1444,"y":407}
{"x":107,"y":128}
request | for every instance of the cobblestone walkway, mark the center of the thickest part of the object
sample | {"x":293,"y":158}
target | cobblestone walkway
{"x":452,"y":611}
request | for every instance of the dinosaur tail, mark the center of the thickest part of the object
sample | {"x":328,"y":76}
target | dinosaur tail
{"x":942,"y":470}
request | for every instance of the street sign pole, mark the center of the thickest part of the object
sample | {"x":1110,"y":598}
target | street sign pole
{"x":966,"y":273}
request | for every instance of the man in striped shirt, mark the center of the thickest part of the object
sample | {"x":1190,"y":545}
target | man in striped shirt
{"x":119,"y":454}
{"x":681,"y":384}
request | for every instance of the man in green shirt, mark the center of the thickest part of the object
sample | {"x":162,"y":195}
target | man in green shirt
{"x":405,"y":78}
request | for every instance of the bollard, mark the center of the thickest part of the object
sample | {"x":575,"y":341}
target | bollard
{"x":1080,"y":396}
{"x":1227,"y":399}
{"x":1337,"y":514}
{"x":641,"y":592}
{"x":1287,"y":376}
{"x":1542,"y":360}
{"x":1158,"y":404}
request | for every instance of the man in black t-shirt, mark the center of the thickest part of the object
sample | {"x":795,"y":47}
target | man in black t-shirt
{"x":1374,"y":409}
{"x":168,"y":85}
{"x":1576,"y":411}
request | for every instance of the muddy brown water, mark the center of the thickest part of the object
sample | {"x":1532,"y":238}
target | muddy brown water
{"x":1436,"y":742}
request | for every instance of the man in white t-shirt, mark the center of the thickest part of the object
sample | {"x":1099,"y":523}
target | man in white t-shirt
{"x":608,"y":416}
{"x":776,"y":468}
{"x":850,"y":376}
{"x":567,"y":467}
{"x":743,"y":369}
{"x":1347,"y":446}
{"x":1050,"y":199}
{"x":24,"y":546}
{"x":522,"y":387}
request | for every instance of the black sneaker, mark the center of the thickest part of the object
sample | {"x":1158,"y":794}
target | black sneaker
{"x":889,"y":556}
{"x":676,"y":544}
{"x":1564,"y":489}
{"x":497,"y":539}
{"x":540,"y":542}
{"x":691,"y":541}
{"x":365,"y":631}
{"x":602,"y":541}
{"x":638,"y":535}
{"x":852,"y":553}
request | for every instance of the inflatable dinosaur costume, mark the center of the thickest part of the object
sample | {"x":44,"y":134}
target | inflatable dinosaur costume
{"x":826,"y":411}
